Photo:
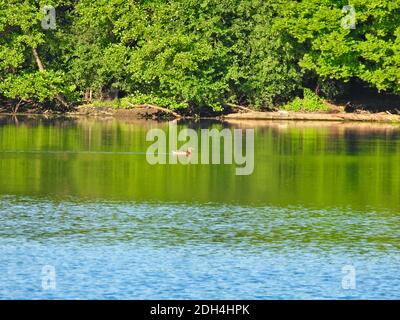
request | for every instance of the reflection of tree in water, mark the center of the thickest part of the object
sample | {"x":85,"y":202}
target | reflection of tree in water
{"x":295,"y":164}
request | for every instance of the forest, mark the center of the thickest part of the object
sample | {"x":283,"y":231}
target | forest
{"x":196,"y":54}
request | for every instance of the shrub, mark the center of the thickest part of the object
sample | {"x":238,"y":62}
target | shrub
{"x":310,"y":103}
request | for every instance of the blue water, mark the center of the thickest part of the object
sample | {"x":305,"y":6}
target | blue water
{"x":83,"y":215}
{"x":123,"y":250}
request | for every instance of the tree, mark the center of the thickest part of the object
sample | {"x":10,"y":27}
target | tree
{"x":333,"y":49}
{"x":23,"y":73}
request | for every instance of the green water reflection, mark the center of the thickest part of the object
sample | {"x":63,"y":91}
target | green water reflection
{"x":313,"y":165}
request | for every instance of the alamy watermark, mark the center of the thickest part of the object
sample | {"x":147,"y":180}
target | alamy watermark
{"x":49,"y":277}
{"x":49,"y":20}
{"x":349,"y":20}
{"x":349,"y":278}
{"x":203,"y":148}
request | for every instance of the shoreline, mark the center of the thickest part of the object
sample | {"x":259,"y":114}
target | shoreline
{"x":315,"y":116}
{"x":149,"y":113}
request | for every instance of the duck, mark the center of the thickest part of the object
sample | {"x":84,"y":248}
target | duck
{"x":186,"y":153}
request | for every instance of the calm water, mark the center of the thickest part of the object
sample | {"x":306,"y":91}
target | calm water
{"x":80,"y":197}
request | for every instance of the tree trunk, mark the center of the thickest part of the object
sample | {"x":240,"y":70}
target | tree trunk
{"x":88,"y":95}
{"x":169,"y":111}
{"x":239,"y":107}
{"x":37,"y":59}
{"x":40,"y":65}
{"x":17,"y":106}
{"x":318,"y":89}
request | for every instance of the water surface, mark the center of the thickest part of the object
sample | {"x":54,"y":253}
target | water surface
{"x":80,"y":196}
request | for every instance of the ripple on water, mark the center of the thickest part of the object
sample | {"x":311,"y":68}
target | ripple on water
{"x":198,"y":251}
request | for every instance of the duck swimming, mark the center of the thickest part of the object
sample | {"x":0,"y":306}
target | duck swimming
{"x":186,"y":153}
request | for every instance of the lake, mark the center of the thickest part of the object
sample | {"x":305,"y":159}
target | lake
{"x":83,"y":215}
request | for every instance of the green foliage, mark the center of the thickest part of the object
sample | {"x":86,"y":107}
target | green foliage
{"x":141,"y":99}
{"x":39,"y":86}
{"x":310,"y":103}
{"x":20,"y":34}
{"x":138,"y":99}
{"x":177,"y":53}
{"x":197,"y":53}
{"x":370,"y":52}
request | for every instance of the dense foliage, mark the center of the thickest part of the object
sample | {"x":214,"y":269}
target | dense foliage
{"x":194,"y":53}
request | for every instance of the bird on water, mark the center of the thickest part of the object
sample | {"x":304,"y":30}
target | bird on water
{"x":186,"y":153}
